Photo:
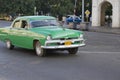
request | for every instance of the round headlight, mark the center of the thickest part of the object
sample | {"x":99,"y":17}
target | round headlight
{"x":81,"y":35}
{"x":49,"y":38}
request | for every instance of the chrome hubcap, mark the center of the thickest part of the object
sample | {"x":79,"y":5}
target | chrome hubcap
{"x":8,"y":44}
{"x":38,"y":49}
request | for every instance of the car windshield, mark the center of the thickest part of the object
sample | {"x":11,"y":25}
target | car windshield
{"x":42,"y":23}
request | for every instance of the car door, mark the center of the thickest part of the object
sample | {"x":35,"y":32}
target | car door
{"x":19,"y":34}
{"x":25,"y":38}
{"x":14,"y":32}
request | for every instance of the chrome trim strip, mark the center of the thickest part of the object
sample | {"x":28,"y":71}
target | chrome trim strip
{"x":63,"y":46}
{"x":62,"y":41}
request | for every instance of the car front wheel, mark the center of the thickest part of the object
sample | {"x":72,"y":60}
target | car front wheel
{"x":73,"y":50}
{"x":9,"y":44}
{"x":39,"y":51}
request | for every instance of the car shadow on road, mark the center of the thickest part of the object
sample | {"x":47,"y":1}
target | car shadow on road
{"x":31,"y":53}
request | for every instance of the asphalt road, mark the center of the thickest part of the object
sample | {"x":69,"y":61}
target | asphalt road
{"x":98,"y":60}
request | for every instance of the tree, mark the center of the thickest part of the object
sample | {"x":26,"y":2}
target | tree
{"x":16,"y":6}
{"x":55,"y":7}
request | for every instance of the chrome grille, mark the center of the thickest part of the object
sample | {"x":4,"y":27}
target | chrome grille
{"x":65,"y":38}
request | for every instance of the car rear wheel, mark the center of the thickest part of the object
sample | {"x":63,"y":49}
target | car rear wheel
{"x":39,"y":51}
{"x":9,"y":44}
{"x":73,"y":50}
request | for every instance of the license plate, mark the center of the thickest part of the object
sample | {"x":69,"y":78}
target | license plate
{"x":68,"y":43}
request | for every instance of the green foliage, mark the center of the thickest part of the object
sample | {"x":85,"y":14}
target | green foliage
{"x":16,"y":6}
{"x":54,"y":7}
{"x":108,"y":10}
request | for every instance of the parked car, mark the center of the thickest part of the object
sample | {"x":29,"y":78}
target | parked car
{"x":41,"y":33}
{"x":74,"y":19}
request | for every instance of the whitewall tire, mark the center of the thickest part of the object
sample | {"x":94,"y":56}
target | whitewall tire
{"x":9,"y":44}
{"x":39,"y":51}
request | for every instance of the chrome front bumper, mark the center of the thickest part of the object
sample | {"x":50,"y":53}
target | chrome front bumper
{"x":64,"y":46}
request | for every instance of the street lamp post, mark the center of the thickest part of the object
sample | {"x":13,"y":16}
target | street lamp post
{"x":35,"y":10}
{"x":82,"y":10}
{"x":75,"y":3}
{"x":75,"y":7}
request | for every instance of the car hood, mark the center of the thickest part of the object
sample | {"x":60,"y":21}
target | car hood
{"x":57,"y":32}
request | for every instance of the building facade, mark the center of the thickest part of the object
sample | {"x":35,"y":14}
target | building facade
{"x":98,"y":12}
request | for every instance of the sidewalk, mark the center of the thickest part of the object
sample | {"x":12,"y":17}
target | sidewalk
{"x":105,"y":30}
{"x":81,"y":26}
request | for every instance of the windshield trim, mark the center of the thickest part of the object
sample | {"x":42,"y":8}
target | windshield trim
{"x":47,"y":24}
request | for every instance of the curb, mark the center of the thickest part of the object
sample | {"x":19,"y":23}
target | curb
{"x":110,"y":31}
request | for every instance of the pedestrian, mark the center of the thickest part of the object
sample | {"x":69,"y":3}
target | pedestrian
{"x":74,"y":22}
{"x":63,"y":20}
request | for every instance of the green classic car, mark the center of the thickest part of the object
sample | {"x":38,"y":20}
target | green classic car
{"x":41,"y":33}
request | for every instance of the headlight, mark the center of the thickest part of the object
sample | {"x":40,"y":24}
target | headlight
{"x":49,"y":38}
{"x":81,"y":35}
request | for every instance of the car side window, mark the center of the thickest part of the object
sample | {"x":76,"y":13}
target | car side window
{"x":16,"y":24}
{"x":24,"y":24}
